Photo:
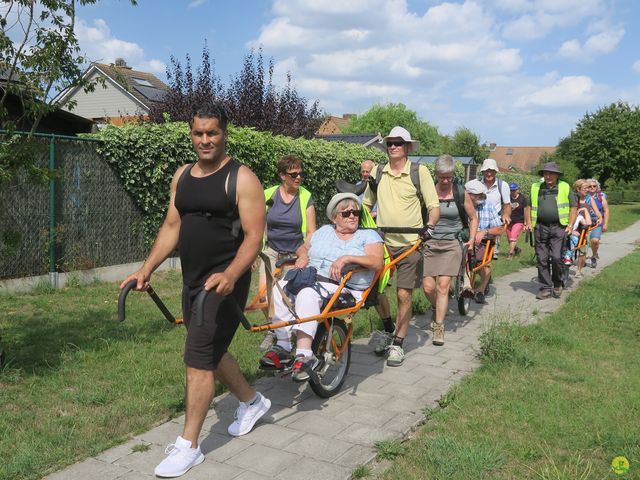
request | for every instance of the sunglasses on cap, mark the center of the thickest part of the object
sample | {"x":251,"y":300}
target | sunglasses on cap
{"x":295,"y":175}
{"x":348,"y":213}
{"x":395,"y":143}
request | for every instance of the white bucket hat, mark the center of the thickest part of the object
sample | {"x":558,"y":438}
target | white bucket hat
{"x":336,"y":199}
{"x":489,"y":164}
{"x":399,"y":132}
{"x":475,"y":186}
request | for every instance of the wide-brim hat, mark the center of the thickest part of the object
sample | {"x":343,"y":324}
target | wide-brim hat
{"x":399,"y":132}
{"x":345,"y":187}
{"x":489,"y":164}
{"x":550,"y":167}
{"x":475,"y":186}
{"x":336,"y":199}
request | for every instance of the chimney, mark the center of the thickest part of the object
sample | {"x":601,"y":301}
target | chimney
{"x":120,"y":62}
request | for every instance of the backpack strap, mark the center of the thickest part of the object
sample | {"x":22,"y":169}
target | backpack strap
{"x":458,"y":197}
{"x":414,"y":173}
{"x":232,"y":188}
{"x":374,"y":182}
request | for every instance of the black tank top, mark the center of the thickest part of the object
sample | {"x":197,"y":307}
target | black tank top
{"x":207,"y":243}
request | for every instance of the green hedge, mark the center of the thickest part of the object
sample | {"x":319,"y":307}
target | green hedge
{"x":147,"y":155}
{"x":616,"y":197}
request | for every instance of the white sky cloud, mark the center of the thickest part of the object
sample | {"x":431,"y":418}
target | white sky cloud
{"x":598,"y":44}
{"x":197,"y":3}
{"x":636,"y":66}
{"x":566,"y":92}
{"x":98,"y":43}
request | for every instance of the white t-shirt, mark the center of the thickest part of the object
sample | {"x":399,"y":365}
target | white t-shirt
{"x":493,"y":194}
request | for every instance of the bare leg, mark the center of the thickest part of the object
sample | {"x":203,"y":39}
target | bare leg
{"x":383,"y":308}
{"x":581,"y":261}
{"x":595,"y":245}
{"x":229,"y":373}
{"x":403,"y":316}
{"x":200,"y":391}
{"x":485,"y":275}
{"x":429,"y":287}
{"x":512,"y":248}
{"x":442,"y":298}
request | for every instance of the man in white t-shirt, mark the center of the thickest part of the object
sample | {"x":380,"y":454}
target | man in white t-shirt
{"x":498,"y":194}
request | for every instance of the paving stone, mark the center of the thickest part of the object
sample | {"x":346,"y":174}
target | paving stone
{"x":318,"y":424}
{"x":422,"y":359}
{"x":90,"y":468}
{"x":211,"y":469}
{"x":357,"y":455}
{"x":131,"y":475}
{"x":404,"y":422}
{"x":365,"y":416}
{"x":145,"y":461}
{"x":319,"y":447}
{"x":162,"y":435}
{"x":275,"y":436}
{"x":357,"y":383}
{"x":264,"y":460}
{"x":222,"y":447}
{"x":115,"y":453}
{"x":310,"y":469}
{"x":366,"y":435}
{"x":399,"y":375}
{"x":364,"y":398}
{"x":247,"y":475}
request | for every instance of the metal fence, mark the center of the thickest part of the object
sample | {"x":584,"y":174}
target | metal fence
{"x":82,"y":218}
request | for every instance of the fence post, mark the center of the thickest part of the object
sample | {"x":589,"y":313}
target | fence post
{"x":53,"y":275}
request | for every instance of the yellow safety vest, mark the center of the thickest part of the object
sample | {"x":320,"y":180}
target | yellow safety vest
{"x":562,"y":202}
{"x":305,"y":196}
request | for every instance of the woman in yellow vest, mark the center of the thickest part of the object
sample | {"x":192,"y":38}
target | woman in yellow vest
{"x":291,"y":213}
{"x":553,"y":212}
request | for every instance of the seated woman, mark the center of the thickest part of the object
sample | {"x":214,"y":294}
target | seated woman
{"x":329,"y":249}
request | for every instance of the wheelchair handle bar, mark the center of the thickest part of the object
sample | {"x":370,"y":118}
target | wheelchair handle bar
{"x":154,"y":296}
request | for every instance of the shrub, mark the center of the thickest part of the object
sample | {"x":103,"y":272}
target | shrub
{"x":503,"y":342}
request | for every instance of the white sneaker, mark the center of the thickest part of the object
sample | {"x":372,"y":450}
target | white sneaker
{"x":383,"y":340}
{"x":396,"y":356}
{"x":247,"y":415}
{"x":181,"y":458}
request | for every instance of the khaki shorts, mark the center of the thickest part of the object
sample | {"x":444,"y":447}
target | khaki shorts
{"x":273,"y":258}
{"x":409,"y":269}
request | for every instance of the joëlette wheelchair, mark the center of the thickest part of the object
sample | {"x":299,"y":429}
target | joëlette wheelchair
{"x":469,"y":272}
{"x":332,"y":341}
{"x":582,"y":242}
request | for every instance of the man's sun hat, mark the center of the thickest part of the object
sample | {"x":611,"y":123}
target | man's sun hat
{"x":514,"y":186}
{"x":336,"y":199}
{"x":552,"y":167}
{"x":475,"y":186}
{"x":399,"y":132}
{"x":489,"y":164}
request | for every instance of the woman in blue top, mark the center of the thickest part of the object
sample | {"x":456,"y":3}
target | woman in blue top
{"x":329,"y":250}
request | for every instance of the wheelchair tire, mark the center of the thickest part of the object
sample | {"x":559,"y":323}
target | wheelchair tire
{"x":464,"y":302}
{"x":331,"y":373}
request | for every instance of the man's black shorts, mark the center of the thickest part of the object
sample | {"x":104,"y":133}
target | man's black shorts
{"x":205,"y":345}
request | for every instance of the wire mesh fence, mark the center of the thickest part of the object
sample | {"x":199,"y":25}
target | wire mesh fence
{"x":89,"y":221}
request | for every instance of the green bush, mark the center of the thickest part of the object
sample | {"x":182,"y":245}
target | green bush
{"x":147,"y":155}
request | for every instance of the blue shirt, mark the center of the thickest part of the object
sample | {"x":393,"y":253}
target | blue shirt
{"x":488,"y":216}
{"x":326,"y":248}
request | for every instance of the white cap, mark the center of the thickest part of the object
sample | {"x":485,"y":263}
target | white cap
{"x":489,"y":164}
{"x":475,"y":186}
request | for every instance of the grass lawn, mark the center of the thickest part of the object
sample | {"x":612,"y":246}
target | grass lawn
{"x":78,"y":382}
{"x":555,"y":400}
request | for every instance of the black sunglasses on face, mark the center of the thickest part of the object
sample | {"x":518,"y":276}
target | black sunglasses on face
{"x":294,"y":175}
{"x":348,"y":213}
{"x":395,"y":143}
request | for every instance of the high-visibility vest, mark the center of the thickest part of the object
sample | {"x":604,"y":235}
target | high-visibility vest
{"x":305,"y":196}
{"x":562,"y":202}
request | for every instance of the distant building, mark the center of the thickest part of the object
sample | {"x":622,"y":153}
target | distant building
{"x":333,"y":125}
{"x":518,"y":159}
{"x":127,"y":94}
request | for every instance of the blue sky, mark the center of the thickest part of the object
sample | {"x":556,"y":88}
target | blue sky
{"x":517,"y":72}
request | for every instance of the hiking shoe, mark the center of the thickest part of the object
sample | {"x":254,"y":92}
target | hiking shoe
{"x":578,"y":275}
{"x":479,"y":298}
{"x":557,"y":291}
{"x":438,"y":334}
{"x":594,"y":262}
{"x":302,"y":365}
{"x":517,"y":251}
{"x":276,"y":358}
{"x":495,"y":255}
{"x":567,"y":261}
{"x":543,"y":293}
{"x":383,"y":341}
{"x":268,"y":341}
{"x":248,"y":414}
{"x":181,"y":457}
{"x":396,"y":356}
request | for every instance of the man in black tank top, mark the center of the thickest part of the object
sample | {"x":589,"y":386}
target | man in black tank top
{"x":218,"y":238}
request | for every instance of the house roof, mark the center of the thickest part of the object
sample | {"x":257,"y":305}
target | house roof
{"x":144,"y":87}
{"x":432,"y":159}
{"x":519,"y":158}
{"x":365,"y":139}
{"x":333,"y":125}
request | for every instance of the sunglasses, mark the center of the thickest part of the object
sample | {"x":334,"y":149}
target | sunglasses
{"x":348,"y":213}
{"x":395,"y":143}
{"x":294,"y":175}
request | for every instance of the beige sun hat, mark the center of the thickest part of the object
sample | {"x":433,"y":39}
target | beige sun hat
{"x":489,"y":164}
{"x":475,"y":186}
{"x":403,"y":133}
{"x":336,"y":199}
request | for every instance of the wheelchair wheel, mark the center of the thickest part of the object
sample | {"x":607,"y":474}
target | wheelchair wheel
{"x":463,"y":301}
{"x":332,"y":372}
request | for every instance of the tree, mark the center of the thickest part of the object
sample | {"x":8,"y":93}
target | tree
{"x":606,"y":144}
{"x":466,"y":143}
{"x":251,"y":98}
{"x":382,"y":118}
{"x":39,"y":55}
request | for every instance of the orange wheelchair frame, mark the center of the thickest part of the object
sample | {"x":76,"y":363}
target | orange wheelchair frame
{"x":472,"y":268}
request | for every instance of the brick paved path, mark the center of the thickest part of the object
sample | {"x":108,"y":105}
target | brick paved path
{"x":304,"y":436}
